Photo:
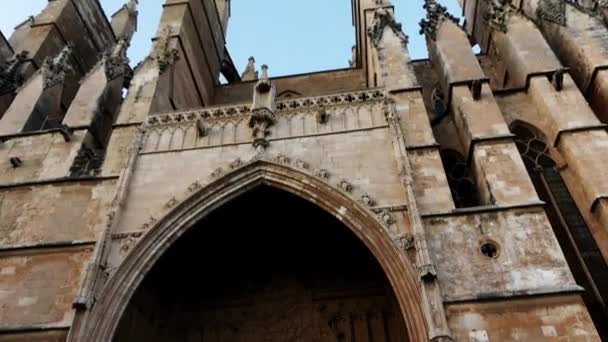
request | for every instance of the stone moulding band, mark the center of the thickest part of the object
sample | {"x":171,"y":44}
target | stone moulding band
{"x":282,"y":106}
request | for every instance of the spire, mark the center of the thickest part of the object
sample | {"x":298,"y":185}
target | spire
{"x":124,"y":21}
{"x":435,"y":15}
{"x":250,"y":74}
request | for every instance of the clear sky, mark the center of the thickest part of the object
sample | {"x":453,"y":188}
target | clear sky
{"x":290,"y":36}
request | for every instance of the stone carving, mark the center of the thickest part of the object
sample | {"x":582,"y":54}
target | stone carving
{"x":345,"y":186}
{"x":236,"y":164}
{"x":260,"y":121}
{"x":323,"y":174}
{"x":282,"y":159}
{"x":10,"y":77}
{"x":367,"y":200}
{"x":384,"y":18}
{"x":288,"y":105}
{"x":166,"y":56}
{"x":115,"y":60}
{"x":172,"y":203}
{"x":217,"y":173}
{"x":250,"y":74}
{"x":435,"y":15}
{"x":385,"y":216}
{"x":300,"y":164}
{"x":195,"y":186}
{"x":427,"y":272}
{"x":128,"y":243}
{"x":405,"y":242}
{"x":149,"y":223}
{"x":553,"y":11}
{"x":322,"y":116}
{"x":498,"y":14}
{"x":55,"y":69}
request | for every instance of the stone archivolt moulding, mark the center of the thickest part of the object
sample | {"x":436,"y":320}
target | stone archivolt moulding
{"x":384,"y":215}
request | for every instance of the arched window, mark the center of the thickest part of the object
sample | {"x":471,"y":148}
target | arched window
{"x":462,"y":184}
{"x":582,"y":253}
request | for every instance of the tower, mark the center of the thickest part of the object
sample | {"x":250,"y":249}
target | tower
{"x":457,"y":198}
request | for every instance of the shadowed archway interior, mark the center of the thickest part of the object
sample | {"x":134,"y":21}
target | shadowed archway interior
{"x":267,"y":266}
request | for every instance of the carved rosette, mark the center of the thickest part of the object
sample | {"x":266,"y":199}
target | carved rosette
{"x":499,"y":12}
{"x":260,"y":122}
{"x":55,"y":69}
{"x":435,"y":15}
{"x":384,"y":18}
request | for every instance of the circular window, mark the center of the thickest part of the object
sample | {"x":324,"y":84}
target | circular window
{"x":490,"y":249}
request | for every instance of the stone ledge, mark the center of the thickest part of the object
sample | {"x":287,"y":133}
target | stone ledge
{"x":511,"y":295}
{"x":483,"y":209}
{"x":57,"y":181}
{"x":46,"y":245}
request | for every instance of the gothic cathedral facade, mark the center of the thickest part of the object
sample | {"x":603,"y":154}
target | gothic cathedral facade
{"x":457,"y":198}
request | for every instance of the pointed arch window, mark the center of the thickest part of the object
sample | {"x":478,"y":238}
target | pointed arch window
{"x":578,"y":244}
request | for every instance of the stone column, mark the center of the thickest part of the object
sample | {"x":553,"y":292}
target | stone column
{"x":410,"y":129}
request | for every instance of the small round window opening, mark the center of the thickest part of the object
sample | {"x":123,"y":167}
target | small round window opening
{"x":490,"y":249}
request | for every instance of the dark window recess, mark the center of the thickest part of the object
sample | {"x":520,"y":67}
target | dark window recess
{"x":462,"y":184}
{"x":88,"y":162}
{"x":582,"y":253}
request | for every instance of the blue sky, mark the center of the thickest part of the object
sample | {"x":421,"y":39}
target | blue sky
{"x":290,"y":36}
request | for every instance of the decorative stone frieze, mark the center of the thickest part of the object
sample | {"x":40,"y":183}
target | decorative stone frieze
{"x":384,"y":18}
{"x":55,"y":69}
{"x":435,"y":15}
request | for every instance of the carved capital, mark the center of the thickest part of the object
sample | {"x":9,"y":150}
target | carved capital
{"x":384,"y":18}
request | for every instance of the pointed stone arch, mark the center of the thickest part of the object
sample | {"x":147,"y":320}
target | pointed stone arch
{"x":103,"y":319}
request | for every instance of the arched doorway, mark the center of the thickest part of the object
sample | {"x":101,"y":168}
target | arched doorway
{"x":582,"y":253}
{"x":103,"y":321}
{"x":267,"y":266}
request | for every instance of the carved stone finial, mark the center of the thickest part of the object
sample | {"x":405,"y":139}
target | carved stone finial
{"x":264,"y":85}
{"x":166,"y":56}
{"x":116,"y":62}
{"x":353,"y":62}
{"x":435,"y":15}
{"x":250,"y":74}
{"x":498,"y":14}
{"x":553,"y":11}
{"x":10,"y":77}
{"x":384,"y":18}
{"x":132,"y":7}
{"x":55,"y":69}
